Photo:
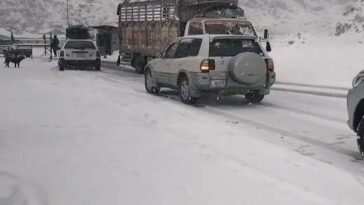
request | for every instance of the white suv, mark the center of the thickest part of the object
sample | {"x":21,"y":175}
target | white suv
{"x":79,"y":53}
{"x":224,"y":64}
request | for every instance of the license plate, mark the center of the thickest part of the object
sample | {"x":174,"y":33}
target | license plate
{"x":217,"y":83}
{"x":80,"y":55}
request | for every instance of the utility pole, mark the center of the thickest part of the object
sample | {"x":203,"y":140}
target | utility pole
{"x":68,"y":19}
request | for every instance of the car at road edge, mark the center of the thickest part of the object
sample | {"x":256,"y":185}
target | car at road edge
{"x":355,"y":105}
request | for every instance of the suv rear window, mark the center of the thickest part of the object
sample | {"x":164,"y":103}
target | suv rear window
{"x":79,"y":45}
{"x":233,"y":47}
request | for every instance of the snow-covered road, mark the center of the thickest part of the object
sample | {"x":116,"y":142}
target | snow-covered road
{"x":98,"y":138}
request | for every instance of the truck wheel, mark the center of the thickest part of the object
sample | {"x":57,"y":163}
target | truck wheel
{"x":254,"y":98}
{"x":184,"y":90}
{"x":139,"y":64}
{"x":360,"y":133}
{"x":149,"y":83}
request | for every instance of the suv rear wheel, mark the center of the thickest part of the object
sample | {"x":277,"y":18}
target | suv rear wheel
{"x":98,"y":68}
{"x":254,"y":97}
{"x":184,"y":90}
{"x":149,"y":83}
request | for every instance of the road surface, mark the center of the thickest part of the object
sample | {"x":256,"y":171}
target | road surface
{"x":84,"y":137}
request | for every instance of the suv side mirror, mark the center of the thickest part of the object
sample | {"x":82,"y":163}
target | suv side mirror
{"x":160,"y":55}
{"x":268,"y":47}
{"x":266,"y":34}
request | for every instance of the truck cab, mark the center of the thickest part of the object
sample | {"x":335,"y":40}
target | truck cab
{"x":220,"y":26}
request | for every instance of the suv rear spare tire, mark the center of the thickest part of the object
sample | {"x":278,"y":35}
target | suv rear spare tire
{"x":248,"y":68}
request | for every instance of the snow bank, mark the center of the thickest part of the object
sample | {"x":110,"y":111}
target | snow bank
{"x":332,"y":61}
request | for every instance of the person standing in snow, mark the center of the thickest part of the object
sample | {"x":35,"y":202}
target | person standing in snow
{"x":54,"y":45}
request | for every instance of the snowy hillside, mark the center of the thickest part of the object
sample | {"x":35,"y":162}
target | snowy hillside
{"x":300,"y":16}
{"x":33,"y":15}
{"x":327,"y":17}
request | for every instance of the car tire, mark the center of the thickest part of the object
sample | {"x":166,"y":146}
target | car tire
{"x":97,"y":68}
{"x":360,"y":133}
{"x":184,"y":90}
{"x":149,"y":83}
{"x":61,"y":68}
{"x":139,"y":64}
{"x":254,"y":98}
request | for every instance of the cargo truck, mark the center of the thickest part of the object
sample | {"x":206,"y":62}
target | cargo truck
{"x":147,"y":27}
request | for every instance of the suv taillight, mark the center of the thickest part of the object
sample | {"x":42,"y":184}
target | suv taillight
{"x":207,"y":65}
{"x":270,"y":64}
{"x":98,"y":54}
{"x":61,"y":54}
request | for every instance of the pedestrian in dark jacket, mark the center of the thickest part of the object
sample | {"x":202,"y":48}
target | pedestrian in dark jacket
{"x":54,"y":45}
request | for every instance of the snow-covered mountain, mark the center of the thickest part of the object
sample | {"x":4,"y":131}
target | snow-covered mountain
{"x":304,"y":16}
{"x":327,"y":17}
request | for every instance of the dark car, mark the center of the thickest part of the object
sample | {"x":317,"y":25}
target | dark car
{"x":2,"y":51}
{"x":24,"y":50}
{"x":355,"y":103}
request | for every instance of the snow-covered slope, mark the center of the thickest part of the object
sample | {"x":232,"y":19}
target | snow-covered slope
{"x":327,"y":17}
{"x":33,"y":15}
{"x":300,"y":16}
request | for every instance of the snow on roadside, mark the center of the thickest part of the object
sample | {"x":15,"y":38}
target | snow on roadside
{"x":93,"y":138}
{"x":319,"y":60}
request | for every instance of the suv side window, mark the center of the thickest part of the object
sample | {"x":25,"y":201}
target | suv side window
{"x":195,"y":28}
{"x":171,"y":51}
{"x":188,"y":47}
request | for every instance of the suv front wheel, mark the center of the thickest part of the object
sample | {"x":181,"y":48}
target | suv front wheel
{"x":184,"y":89}
{"x":149,"y":86}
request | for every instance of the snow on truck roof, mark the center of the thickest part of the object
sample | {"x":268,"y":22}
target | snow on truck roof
{"x":216,"y":18}
{"x":218,"y":36}
{"x":183,"y":2}
{"x":171,"y":8}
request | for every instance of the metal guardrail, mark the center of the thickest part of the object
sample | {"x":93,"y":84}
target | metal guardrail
{"x":5,"y":48}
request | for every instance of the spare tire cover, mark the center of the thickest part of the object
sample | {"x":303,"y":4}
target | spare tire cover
{"x":248,"y":68}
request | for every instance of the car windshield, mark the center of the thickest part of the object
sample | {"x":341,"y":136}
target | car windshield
{"x":229,"y":27}
{"x":233,"y":47}
{"x":79,"y":45}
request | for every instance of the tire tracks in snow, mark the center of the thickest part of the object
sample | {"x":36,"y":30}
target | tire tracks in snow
{"x":207,"y":107}
{"x":132,"y":73}
{"x":299,"y":111}
{"x":17,"y":191}
{"x":278,"y":131}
